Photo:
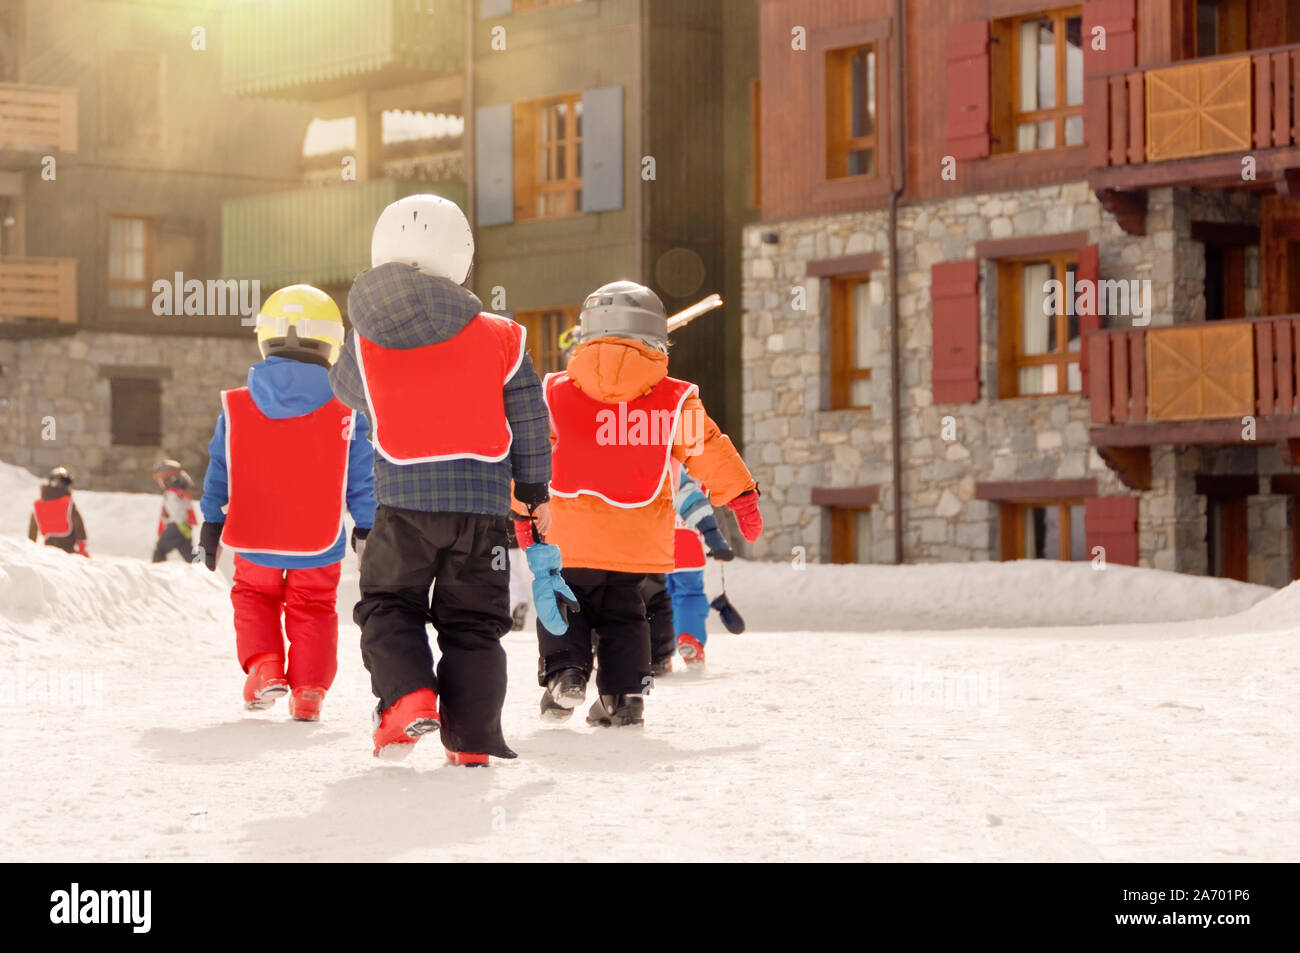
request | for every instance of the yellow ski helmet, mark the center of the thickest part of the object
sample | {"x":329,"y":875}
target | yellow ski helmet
{"x":300,"y":322}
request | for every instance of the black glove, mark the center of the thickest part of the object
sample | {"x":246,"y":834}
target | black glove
{"x":210,"y":544}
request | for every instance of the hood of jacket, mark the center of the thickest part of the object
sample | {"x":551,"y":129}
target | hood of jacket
{"x":614,"y":370}
{"x":397,"y":306}
{"x":282,"y":387}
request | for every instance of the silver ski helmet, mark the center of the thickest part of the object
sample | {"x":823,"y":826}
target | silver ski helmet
{"x":624,"y":309}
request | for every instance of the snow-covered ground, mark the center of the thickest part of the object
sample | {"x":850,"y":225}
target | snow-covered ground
{"x":962,"y":712}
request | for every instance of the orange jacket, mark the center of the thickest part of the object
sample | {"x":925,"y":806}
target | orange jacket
{"x":591,"y":533}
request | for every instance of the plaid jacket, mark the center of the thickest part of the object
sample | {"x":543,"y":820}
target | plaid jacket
{"x":396,"y":306}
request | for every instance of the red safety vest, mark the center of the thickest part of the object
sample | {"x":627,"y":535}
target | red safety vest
{"x":189,"y":507}
{"x":272,"y":508}
{"x":617,"y":452}
{"x":443,"y":401}
{"x":54,"y":517}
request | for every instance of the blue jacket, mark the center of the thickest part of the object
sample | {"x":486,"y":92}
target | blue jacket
{"x":282,"y":387}
{"x":397,"y":307}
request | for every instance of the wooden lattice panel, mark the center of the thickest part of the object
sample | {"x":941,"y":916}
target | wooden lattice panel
{"x":1201,"y":373}
{"x":1199,"y":109}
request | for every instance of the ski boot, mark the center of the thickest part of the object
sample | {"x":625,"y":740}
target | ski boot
{"x":691,"y":649}
{"x":265,"y":682}
{"x":399,"y":728}
{"x":617,"y":711}
{"x":662,"y":667}
{"x":565,"y":691}
{"x":305,"y":703}
{"x":465,"y":759}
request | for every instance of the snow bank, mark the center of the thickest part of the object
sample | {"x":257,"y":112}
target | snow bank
{"x":777,"y":597}
{"x":45,"y":591}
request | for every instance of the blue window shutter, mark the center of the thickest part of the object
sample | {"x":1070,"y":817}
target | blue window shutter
{"x":602,"y":149}
{"x":493,"y":8}
{"x":494,"y":167}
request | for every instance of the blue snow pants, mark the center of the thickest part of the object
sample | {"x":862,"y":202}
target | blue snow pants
{"x":690,"y":604}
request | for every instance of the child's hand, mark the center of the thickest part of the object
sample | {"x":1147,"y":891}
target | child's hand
{"x":748,"y":517}
{"x":542,"y":516}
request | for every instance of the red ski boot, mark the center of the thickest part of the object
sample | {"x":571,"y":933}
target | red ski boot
{"x":690,"y":649}
{"x":265,"y":682}
{"x":305,"y":703}
{"x":467,"y":759}
{"x":402,"y":725}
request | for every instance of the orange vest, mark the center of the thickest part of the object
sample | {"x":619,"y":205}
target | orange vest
{"x":54,"y":517}
{"x":617,"y":452}
{"x":270,"y":510}
{"x":443,"y":401}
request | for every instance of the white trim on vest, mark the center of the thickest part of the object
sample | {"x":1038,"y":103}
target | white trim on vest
{"x":690,"y":390}
{"x":441,"y":458}
{"x":230,"y":484}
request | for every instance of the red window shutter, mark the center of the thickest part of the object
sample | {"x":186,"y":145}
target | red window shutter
{"x":968,"y":90}
{"x":1116,"y":17}
{"x":1111,"y":522}
{"x":1089,"y":318}
{"x":955,"y":331}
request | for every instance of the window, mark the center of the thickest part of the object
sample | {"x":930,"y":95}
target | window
{"x":548,"y":158}
{"x":852,"y":342}
{"x":544,"y":329}
{"x":136,"y":411}
{"x":1226,"y":537}
{"x":1221,"y":27}
{"x":1038,"y":339}
{"x":1043,"y":530}
{"x":130,"y":261}
{"x":1042,"y":97}
{"x":850,"y":534}
{"x":851,"y":112}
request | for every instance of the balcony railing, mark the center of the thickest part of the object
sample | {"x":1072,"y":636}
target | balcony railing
{"x":37,"y":118}
{"x":1205,"y":372}
{"x":318,"y":235}
{"x":1213,"y":106}
{"x":38,"y":289}
{"x":317,"y":49}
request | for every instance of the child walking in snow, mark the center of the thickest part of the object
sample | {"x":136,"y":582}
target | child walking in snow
{"x":55,"y":516}
{"x":176,"y":521}
{"x":284,"y":461}
{"x":458,"y":414}
{"x":618,"y":421}
{"x":676,"y":605}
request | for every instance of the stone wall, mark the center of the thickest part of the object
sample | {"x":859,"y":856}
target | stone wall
{"x":66,"y":379}
{"x":794,"y":444}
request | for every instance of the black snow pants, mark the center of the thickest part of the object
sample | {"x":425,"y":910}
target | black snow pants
{"x":659,"y":612}
{"x":173,"y":538}
{"x":464,"y":557}
{"x":612,"y":623}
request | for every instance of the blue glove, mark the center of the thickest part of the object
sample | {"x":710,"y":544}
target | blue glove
{"x":719,"y":548}
{"x":551,"y":594}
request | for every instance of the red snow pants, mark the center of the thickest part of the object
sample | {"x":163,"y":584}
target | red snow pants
{"x":306,"y":598}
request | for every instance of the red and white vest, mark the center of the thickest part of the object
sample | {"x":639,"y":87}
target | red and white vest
{"x":688,"y":542}
{"x":54,"y":517}
{"x":270,"y":510}
{"x":443,"y":401}
{"x":621,"y":452}
{"x":164,"y":517}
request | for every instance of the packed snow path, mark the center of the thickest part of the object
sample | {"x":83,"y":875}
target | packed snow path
{"x":1118,"y":742}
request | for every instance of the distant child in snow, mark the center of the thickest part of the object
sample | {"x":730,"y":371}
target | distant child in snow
{"x":675,"y":602}
{"x":285,"y":460}
{"x":458,"y":414}
{"x":176,"y":522}
{"x":618,"y":421}
{"x":56,"y":517}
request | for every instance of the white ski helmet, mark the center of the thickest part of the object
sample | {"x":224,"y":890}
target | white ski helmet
{"x":426,"y":231}
{"x":624,"y":309}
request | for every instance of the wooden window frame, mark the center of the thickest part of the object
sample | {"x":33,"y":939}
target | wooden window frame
{"x":1011,"y":358}
{"x":858,"y":188}
{"x":1011,"y":526}
{"x":1006,"y":82}
{"x":146,"y":283}
{"x":843,"y":341}
{"x":840,"y":141}
{"x":530,"y":186}
{"x":542,"y":346}
{"x":844,"y":533}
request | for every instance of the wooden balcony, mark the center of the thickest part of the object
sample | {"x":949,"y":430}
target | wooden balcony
{"x":1217,"y":382}
{"x":36,"y":120}
{"x":37,"y":292}
{"x":1191,"y":123}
